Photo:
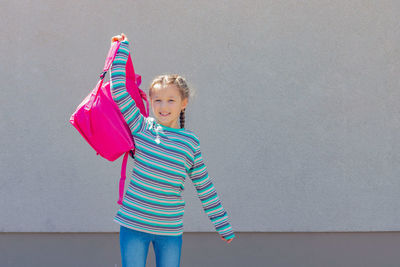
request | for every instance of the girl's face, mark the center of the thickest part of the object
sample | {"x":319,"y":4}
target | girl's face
{"x":167,"y":104}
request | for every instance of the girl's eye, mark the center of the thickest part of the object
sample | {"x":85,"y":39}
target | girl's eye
{"x":158,"y":100}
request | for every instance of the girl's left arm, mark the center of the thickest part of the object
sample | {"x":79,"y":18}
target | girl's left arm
{"x":208,"y":196}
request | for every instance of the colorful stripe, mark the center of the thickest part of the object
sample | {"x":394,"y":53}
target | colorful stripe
{"x":153,"y":201}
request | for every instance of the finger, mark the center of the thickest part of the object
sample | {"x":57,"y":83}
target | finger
{"x":116,"y":38}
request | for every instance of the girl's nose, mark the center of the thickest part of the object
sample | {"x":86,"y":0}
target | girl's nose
{"x":163,"y":104}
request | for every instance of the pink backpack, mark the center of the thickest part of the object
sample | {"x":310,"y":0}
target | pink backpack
{"x":99,"y":120}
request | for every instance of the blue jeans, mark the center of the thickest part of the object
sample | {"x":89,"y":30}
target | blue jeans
{"x":135,"y":245}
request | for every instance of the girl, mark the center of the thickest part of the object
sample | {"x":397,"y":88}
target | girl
{"x":153,"y":208}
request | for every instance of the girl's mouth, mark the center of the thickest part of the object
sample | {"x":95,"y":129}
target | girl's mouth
{"x":164,"y":114}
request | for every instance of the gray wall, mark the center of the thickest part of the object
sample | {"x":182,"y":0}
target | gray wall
{"x":296,"y":109}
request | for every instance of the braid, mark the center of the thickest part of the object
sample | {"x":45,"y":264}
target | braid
{"x":182,"y":118}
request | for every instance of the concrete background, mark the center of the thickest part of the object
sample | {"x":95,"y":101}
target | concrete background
{"x":296,"y":107}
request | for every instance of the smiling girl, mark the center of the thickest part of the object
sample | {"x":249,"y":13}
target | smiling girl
{"x":166,"y":153}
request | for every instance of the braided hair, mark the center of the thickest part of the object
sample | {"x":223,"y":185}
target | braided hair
{"x":182,"y":118}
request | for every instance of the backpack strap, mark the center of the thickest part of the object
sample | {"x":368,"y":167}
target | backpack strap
{"x":123,"y":177}
{"x":110,"y":58}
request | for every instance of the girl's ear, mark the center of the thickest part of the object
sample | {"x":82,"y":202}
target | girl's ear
{"x":184,"y":103}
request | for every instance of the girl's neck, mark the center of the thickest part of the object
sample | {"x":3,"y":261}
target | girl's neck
{"x":173,"y":125}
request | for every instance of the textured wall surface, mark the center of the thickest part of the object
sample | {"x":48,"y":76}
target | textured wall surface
{"x":296,"y":107}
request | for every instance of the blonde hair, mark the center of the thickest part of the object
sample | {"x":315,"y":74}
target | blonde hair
{"x":180,"y":83}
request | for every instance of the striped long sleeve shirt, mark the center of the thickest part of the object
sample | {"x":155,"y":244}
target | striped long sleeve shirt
{"x":164,"y":157}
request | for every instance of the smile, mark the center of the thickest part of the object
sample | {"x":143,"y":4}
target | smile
{"x":164,"y":114}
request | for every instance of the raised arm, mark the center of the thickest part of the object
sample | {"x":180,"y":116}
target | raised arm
{"x":208,"y":196}
{"x":126,"y":104}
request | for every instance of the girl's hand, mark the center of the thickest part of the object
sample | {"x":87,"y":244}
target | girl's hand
{"x":119,"y":38}
{"x":228,"y":241}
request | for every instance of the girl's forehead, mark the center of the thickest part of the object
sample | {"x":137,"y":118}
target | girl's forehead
{"x":169,"y":90}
